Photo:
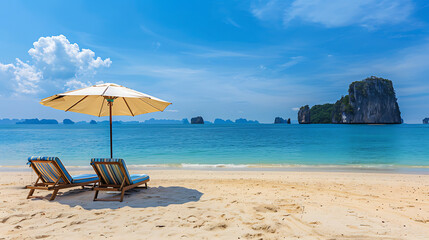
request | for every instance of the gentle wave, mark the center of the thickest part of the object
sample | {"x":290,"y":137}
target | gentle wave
{"x":368,"y":168}
{"x":244,"y":166}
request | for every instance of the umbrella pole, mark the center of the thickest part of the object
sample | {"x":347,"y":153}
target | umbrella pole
{"x":111,"y":147}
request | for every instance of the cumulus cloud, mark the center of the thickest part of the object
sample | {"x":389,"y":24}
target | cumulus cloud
{"x":75,"y":84}
{"x":20,"y":77}
{"x":55,"y":62}
{"x":337,"y":13}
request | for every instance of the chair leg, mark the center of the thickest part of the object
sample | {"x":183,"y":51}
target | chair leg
{"x":145,"y":185}
{"x":54,"y":194}
{"x":95,"y":195}
{"x":30,"y":193}
{"x":122,"y":195}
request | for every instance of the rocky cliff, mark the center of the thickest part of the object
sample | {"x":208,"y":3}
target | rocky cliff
{"x":304,"y":115}
{"x":369,"y":101}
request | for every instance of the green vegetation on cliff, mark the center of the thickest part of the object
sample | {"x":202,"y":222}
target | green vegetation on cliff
{"x":327,"y":112}
{"x":321,"y":113}
{"x":362,"y":87}
{"x":342,"y":105}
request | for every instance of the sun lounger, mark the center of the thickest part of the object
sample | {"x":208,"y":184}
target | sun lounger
{"x":113,"y":175}
{"x":53,"y":176}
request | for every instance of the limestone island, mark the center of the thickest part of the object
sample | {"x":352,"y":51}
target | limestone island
{"x":370,"y":101}
{"x":279,"y":120}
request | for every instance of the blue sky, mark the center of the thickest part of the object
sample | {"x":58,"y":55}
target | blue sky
{"x":217,"y":59}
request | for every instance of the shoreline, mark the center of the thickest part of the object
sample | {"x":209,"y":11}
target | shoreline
{"x":391,"y":169}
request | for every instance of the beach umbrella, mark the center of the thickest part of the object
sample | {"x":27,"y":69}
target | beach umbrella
{"x":107,"y":99}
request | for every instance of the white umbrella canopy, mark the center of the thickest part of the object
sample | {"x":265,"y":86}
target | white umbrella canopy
{"x":107,"y":99}
{"x":94,"y":101}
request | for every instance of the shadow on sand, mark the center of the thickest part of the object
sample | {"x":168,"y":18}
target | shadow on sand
{"x":135,"y":198}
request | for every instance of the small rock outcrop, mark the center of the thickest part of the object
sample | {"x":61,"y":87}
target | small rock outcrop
{"x":197,"y":120}
{"x":370,"y":101}
{"x":288,"y":121}
{"x":426,"y":121}
{"x":304,"y":115}
{"x":67,"y":121}
{"x":92,"y":122}
{"x":279,"y":120}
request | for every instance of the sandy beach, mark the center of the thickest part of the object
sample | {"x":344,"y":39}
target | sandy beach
{"x":197,"y":204}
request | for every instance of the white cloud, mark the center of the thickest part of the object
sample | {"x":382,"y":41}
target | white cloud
{"x":232,"y":22}
{"x":55,"y":63}
{"x":293,"y":61}
{"x":295,"y":109}
{"x":20,"y":77}
{"x":269,"y":10}
{"x":75,"y":84}
{"x":337,"y":13}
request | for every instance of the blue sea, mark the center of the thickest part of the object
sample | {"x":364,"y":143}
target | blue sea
{"x":221,"y":145}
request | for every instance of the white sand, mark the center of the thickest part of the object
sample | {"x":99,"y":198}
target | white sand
{"x":184,"y":204}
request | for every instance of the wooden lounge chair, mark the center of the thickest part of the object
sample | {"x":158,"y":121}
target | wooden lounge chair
{"x":53,"y":176}
{"x":113,"y":175}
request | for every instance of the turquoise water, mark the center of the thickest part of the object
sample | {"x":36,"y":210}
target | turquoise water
{"x":381,"y":145}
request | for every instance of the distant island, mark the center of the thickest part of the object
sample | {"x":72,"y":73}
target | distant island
{"x":200,"y":120}
{"x":370,"y":101}
{"x":426,"y":121}
{"x":37,"y":121}
{"x":197,"y":120}
{"x":163,"y":121}
{"x":221,"y":121}
{"x":279,"y":120}
{"x":105,"y":122}
{"x":245,"y":121}
{"x":68,"y":121}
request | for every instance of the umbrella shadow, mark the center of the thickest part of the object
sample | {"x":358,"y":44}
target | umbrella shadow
{"x":134,"y":198}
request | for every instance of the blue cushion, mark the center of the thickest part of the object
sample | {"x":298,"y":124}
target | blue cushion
{"x":136,"y":178}
{"x":84,"y":178}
